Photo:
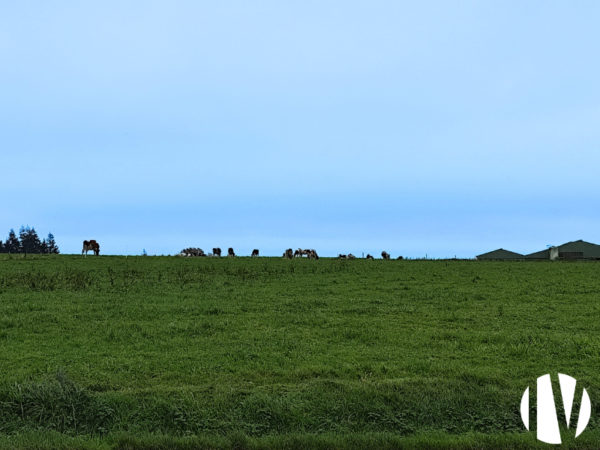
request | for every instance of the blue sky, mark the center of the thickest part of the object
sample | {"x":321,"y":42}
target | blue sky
{"x":424,"y":128}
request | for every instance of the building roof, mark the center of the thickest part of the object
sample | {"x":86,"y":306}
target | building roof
{"x":587,"y":250}
{"x":543,"y":254}
{"x":500,"y":254}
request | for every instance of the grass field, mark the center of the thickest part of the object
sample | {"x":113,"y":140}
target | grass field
{"x":170,"y":352}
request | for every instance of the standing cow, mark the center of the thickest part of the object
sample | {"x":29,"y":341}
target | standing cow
{"x":230,"y":252}
{"x":385,"y":255}
{"x":192,"y":251}
{"x":254,"y":253}
{"x":216,"y":251}
{"x":90,"y":245}
{"x":288,"y":254}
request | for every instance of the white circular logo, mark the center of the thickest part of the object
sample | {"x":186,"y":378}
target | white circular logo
{"x":547,"y":420}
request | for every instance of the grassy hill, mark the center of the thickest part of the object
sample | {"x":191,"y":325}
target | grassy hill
{"x":165,"y":351}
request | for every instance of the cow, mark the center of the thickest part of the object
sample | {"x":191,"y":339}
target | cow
{"x":400,"y":257}
{"x":369,"y":256}
{"x":351,"y":256}
{"x":313,"y":254}
{"x":340,"y":256}
{"x":217,"y":251}
{"x":289,"y":253}
{"x":254,"y":253}
{"x":192,"y":252}
{"x":385,"y":255}
{"x":90,"y":245}
{"x":302,"y":252}
{"x":230,"y":252}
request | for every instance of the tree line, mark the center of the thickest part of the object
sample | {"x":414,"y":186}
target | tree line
{"x":28,"y":241}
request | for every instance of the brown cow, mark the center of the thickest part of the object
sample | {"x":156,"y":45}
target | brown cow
{"x":90,"y":245}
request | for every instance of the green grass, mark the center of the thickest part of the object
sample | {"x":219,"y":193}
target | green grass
{"x":170,"y":352}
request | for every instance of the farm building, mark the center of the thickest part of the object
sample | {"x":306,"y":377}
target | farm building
{"x":571,"y":250}
{"x":500,"y":254}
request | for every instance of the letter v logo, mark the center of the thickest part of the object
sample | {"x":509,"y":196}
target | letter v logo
{"x":547,"y":421}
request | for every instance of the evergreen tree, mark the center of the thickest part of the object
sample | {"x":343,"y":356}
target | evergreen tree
{"x":36,"y":243}
{"x":12,"y":244}
{"x":44,"y":246}
{"x":23,"y":232}
{"x":51,"y":244}
{"x":2,"y":247}
{"x":30,"y":241}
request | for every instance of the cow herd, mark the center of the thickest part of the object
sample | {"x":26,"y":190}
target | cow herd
{"x":299,"y":253}
{"x":216,"y":251}
{"x":288,"y":254}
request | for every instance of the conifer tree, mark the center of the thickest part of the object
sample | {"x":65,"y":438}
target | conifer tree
{"x":30,"y":241}
{"x":12,"y":244}
{"x":24,"y":245}
{"x":51,"y":244}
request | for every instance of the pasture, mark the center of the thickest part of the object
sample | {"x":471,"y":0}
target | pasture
{"x":167,"y":352}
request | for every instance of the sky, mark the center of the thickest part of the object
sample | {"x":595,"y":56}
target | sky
{"x":430,"y":128}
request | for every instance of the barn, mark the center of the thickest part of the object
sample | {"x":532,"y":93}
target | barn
{"x":571,"y":250}
{"x":499,"y":254}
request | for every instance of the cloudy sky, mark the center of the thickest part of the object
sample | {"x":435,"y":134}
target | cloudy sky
{"x":436,"y":128}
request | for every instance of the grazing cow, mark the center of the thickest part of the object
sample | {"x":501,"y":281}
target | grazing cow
{"x":313,"y":254}
{"x":400,"y":257}
{"x":298,"y":253}
{"x":217,"y":251}
{"x":340,"y":256}
{"x":351,"y":256}
{"x":90,"y":245}
{"x":192,"y":251}
{"x":230,"y":252}
{"x":255,"y":252}
{"x":288,"y":254}
{"x":369,"y":256}
{"x":385,"y":255}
